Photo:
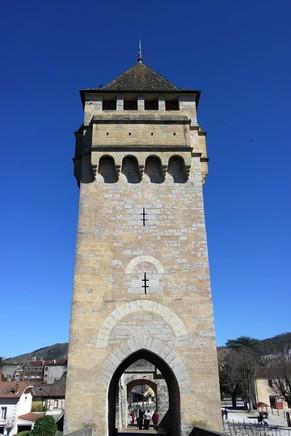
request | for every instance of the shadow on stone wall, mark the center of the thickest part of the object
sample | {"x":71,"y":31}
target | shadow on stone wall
{"x":165,"y":422}
{"x":199,"y":431}
{"x":83,"y":432}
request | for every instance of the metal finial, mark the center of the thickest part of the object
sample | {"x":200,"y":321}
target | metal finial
{"x":139,"y":57}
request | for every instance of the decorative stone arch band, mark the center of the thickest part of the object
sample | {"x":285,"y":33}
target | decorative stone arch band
{"x":144,"y":344}
{"x":141,"y":259}
{"x":154,"y":345}
{"x":113,"y":319}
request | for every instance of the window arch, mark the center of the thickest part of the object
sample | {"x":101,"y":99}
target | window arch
{"x":153,"y":168}
{"x":130,"y":169}
{"x":107,"y":169}
{"x":177,"y":169}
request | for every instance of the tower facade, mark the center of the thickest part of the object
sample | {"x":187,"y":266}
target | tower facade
{"x":141,"y":285}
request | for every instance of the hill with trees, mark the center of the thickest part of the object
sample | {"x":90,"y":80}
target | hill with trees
{"x":274,"y":345}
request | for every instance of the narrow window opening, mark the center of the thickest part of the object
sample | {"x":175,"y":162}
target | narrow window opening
{"x":107,"y":169}
{"x":177,"y":169}
{"x":151,"y":105}
{"x":130,"y":105}
{"x":174,"y":133}
{"x":130,"y":169}
{"x":109,"y":105}
{"x":153,"y":168}
{"x":129,"y":133}
{"x":152,"y":134}
{"x":3,"y":412}
{"x":172,"y":105}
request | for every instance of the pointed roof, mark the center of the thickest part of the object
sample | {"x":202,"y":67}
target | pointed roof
{"x":140,"y":77}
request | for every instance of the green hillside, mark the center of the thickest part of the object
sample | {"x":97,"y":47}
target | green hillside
{"x":274,"y":345}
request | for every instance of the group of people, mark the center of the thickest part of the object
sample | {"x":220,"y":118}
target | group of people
{"x":143,"y":418}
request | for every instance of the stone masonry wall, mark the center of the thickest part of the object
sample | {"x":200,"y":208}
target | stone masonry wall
{"x":112,"y":317}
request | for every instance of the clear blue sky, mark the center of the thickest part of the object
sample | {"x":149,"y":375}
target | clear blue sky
{"x":238,"y":54}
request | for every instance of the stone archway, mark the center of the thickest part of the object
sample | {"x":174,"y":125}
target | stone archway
{"x":141,"y":381}
{"x":173,"y":421}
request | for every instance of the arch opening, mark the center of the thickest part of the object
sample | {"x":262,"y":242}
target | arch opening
{"x":162,"y":394}
{"x":153,"y":169}
{"x":141,"y":393}
{"x":107,"y":170}
{"x":177,"y":169}
{"x":130,"y":169}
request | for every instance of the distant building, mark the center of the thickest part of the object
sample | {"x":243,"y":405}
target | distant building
{"x":51,"y":397}
{"x":54,"y":370}
{"x":15,"y":400}
{"x":35,"y":370}
{"x":9,"y":370}
{"x":266,"y":394}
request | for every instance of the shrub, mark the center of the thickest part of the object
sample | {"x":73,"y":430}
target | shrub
{"x":45,"y":426}
{"x":36,"y":406}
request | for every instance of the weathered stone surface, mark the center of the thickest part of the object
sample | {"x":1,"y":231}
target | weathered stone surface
{"x":112,"y":317}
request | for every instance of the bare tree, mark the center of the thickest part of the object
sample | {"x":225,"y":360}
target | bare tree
{"x":247,"y":362}
{"x":279,"y":371}
{"x":229,"y":374}
{"x":245,"y":359}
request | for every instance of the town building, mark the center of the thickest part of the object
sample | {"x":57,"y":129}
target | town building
{"x":22,"y":403}
{"x":15,"y":400}
{"x":266,"y":392}
{"x":34,"y":370}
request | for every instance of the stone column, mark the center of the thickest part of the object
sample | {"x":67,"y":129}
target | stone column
{"x":162,"y":104}
{"x":140,"y":103}
{"x":119,"y":104}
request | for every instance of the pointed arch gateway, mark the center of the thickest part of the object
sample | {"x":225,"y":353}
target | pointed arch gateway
{"x":172,"y":421}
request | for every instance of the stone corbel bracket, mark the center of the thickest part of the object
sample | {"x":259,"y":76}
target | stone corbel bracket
{"x":141,"y":171}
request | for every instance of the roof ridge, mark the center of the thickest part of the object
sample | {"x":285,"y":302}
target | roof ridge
{"x":140,"y":77}
{"x":162,"y":77}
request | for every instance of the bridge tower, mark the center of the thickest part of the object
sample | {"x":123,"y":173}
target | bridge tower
{"x":141,"y":285}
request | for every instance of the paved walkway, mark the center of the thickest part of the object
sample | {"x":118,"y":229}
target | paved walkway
{"x":135,"y":432}
{"x":252,"y":418}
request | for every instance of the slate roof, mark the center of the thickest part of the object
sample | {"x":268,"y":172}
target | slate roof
{"x":12,"y":389}
{"x":57,"y":389}
{"x":140,"y":77}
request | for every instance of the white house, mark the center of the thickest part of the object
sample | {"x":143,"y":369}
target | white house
{"x":15,"y":400}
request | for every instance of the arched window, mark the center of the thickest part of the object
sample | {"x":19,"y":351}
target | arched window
{"x":153,"y":168}
{"x":177,"y":169}
{"x":130,"y":169}
{"x":107,"y":169}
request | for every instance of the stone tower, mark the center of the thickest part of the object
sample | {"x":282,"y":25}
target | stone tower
{"x":141,"y":285}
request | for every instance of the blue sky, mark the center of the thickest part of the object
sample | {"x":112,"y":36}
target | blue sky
{"x":238,"y":54}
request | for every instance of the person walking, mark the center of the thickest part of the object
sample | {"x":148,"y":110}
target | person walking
{"x":147,"y":420}
{"x":155,"y":419}
{"x":140,"y":418}
{"x":132,"y":416}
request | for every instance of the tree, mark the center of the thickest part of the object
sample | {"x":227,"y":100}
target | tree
{"x":228,"y":374}
{"x":279,"y":371}
{"x":44,"y":426}
{"x":245,"y":342}
{"x":247,"y":363}
{"x":245,"y":357}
